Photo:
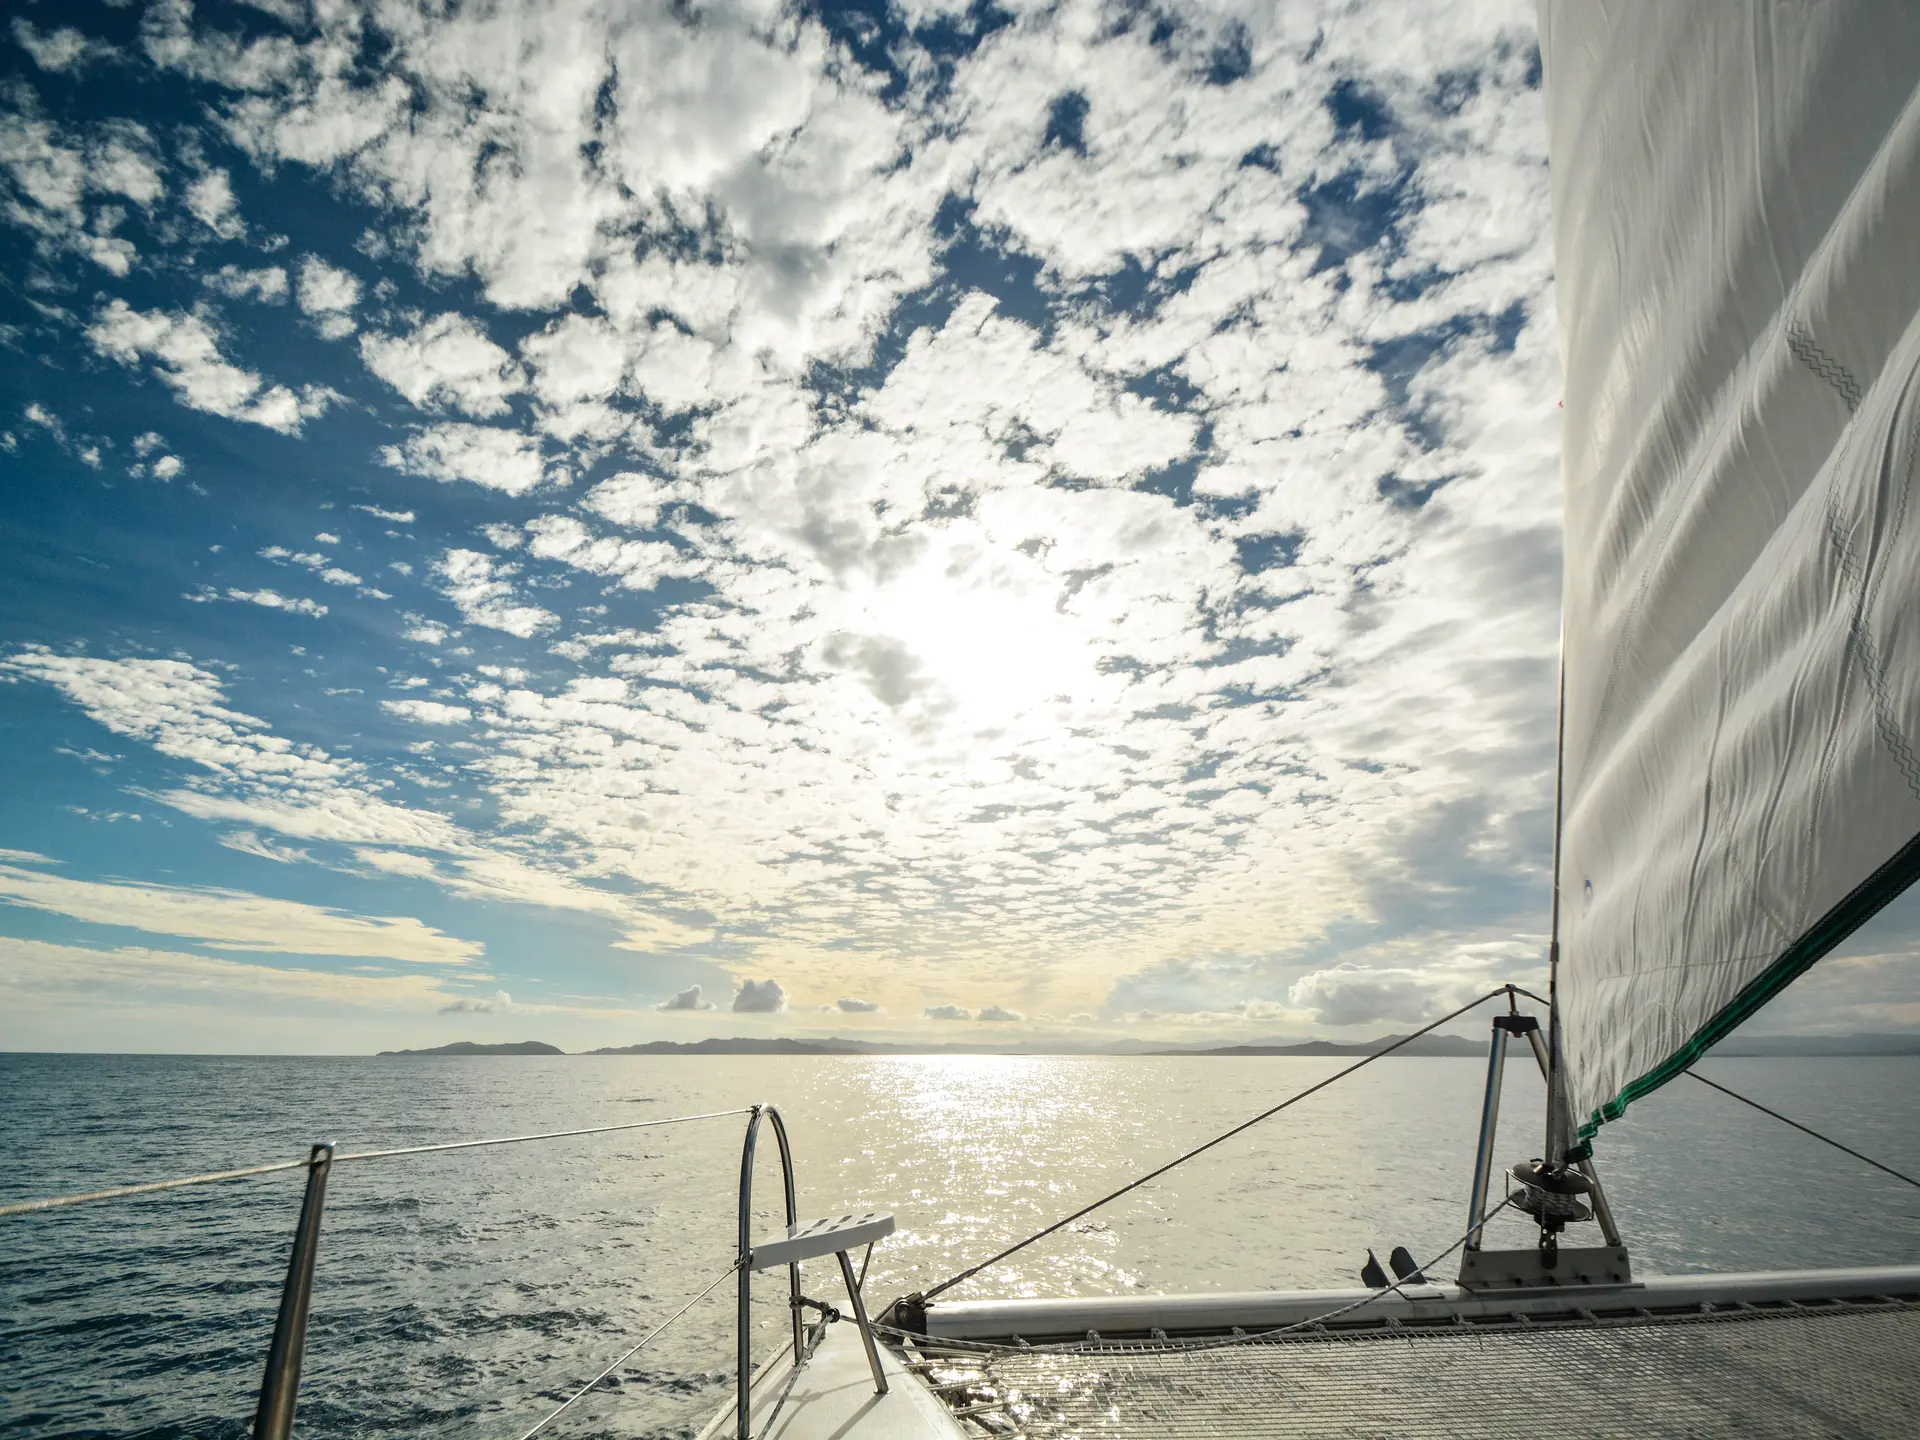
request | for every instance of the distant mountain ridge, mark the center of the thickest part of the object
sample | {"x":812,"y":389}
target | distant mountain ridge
{"x":468,"y":1047}
{"x":1430,"y":1046}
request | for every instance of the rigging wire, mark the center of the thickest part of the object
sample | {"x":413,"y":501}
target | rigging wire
{"x":23,"y":1207}
{"x":968,"y":1274}
{"x":1221,"y":1343}
{"x":1805,"y":1130}
{"x":568,"y":1402}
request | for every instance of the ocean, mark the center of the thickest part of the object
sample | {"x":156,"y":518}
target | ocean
{"x":468,"y":1293}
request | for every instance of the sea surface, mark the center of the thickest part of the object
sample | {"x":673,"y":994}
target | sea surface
{"x":467,"y":1293}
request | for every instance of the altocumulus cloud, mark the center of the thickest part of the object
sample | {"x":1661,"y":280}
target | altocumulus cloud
{"x":916,"y":572}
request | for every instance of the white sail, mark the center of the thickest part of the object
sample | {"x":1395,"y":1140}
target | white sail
{"x":1736,"y":193}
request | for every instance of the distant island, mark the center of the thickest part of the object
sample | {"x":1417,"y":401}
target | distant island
{"x":1740,"y":1047}
{"x":467,"y":1047}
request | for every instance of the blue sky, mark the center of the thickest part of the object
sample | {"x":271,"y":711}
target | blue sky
{"x":625,"y":521}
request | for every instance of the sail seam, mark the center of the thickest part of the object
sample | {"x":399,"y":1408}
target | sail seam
{"x":1801,"y":342}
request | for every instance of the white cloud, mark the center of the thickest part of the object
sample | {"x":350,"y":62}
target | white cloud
{"x":201,"y":378}
{"x":428,"y":712}
{"x":947,"y":1012}
{"x":688,"y":999}
{"x":267,"y":284}
{"x":479,"y":586}
{"x":327,"y":296}
{"x":247,"y":842}
{"x":274,"y":600}
{"x":852,"y":1005}
{"x":234,"y":920}
{"x":499,"y":459}
{"x":759,"y":997}
{"x":1078,"y":635}
{"x":392,"y":517}
{"x":446,"y":363}
{"x":998,"y":1012}
{"x":52,"y":174}
{"x":58,"y":50}
{"x":210,"y":201}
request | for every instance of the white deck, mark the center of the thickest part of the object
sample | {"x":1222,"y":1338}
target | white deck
{"x":833,"y":1399}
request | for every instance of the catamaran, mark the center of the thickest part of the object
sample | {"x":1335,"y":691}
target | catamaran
{"x":1736,"y":201}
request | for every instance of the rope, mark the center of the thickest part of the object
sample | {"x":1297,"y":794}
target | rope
{"x":23,"y":1207}
{"x":1804,"y":1130}
{"x":968,"y":1274}
{"x":565,"y":1405}
{"x":1222,"y":1343}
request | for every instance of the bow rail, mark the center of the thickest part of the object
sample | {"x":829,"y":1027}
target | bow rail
{"x":280,"y":1385}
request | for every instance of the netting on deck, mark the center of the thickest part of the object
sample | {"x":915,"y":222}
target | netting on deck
{"x":1843,"y":1370}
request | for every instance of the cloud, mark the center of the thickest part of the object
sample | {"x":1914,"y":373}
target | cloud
{"x":689,"y":999}
{"x":200,"y":377}
{"x":327,"y":296}
{"x":1354,"y":995}
{"x":503,"y":460}
{"x":167,"y":467}
{"x":142,"y":979}
{"x":52,"y":174}
{"x":210,"y":201}
{"x":428,"y":712}
{"x":479,"y":586}
{"x":498,"y":1003}
{"x":947,"y":1012}
{"x":234,"y":920}
{"x":850,"y":1005}
{"x":395,"y":517}
{"x":759,"y":997}
{"x":999,"y":1012}
{"x":249,"y":843}
{"x":447,"y":362}
{"x":1047,"y":517}
{"x":268,"y":285}
{"x":274,"y":600}
{"x":58,"y":50}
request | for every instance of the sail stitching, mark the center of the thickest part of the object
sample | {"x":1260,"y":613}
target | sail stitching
{"x":1801,"y":342}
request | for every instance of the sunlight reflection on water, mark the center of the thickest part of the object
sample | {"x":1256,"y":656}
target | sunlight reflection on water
{"x":463,"y":1294}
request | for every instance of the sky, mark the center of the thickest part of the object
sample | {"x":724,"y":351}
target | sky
{"x":605,"y":522}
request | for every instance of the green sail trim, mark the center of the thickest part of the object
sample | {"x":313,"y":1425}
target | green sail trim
{"x":1860,"y":905}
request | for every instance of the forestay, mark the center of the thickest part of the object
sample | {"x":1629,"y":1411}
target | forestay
{"x":1736,"y":193}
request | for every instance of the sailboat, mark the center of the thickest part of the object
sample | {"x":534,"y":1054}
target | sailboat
{"x":1736,"y":207}
{"x":1736,"y":201}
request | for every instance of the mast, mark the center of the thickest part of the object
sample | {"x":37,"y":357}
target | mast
{"x":1557,"y":1111}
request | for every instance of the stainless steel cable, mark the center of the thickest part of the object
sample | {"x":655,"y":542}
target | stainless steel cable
{"x":568,"y":1402}
{"x":543,"y":1135}
{"x":55,"y":1202}
{"x":1804,"y":1129}
{"x":22,"y":1207}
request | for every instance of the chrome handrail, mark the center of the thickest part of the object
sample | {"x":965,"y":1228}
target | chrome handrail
{"x":743,"y":1343}
{"x":280,"y":1388}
